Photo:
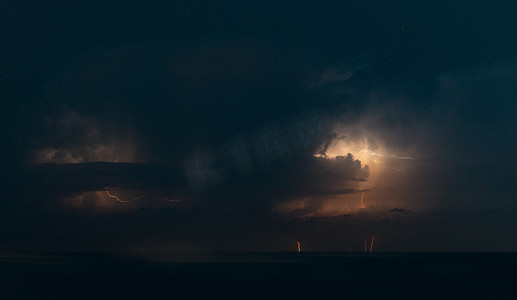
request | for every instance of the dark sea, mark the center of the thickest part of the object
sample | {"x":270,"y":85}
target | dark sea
{"x":258,"y":275}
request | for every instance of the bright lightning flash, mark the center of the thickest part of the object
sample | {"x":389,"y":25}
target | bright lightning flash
{"x":371,"y":153}
{"x":362,"y":150}
{"x":381,"y":160}
{"x":299,"y":247}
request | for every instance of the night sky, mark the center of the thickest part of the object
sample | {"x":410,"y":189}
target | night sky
{"x":228,"y":125}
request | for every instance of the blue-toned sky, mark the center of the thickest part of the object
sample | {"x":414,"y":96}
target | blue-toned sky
{"x":191,"y":125}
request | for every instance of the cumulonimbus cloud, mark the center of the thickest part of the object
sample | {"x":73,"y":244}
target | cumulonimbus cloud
{"x":75,"y":138}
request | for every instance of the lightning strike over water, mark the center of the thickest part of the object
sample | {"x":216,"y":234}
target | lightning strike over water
{"x":299,"y":247}
{"x":371,"y":246}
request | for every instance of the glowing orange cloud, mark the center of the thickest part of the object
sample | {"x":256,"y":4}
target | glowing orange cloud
{"x":369,"y":151}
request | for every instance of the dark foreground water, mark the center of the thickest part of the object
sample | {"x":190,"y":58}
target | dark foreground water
{"x":258,"y":275}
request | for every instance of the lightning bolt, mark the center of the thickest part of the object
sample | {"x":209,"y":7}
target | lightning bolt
{"x":136,"y":198}
{"x":372,"y":153}
{"x":299,"y":247}
{"x":371,"y":246}
{"x":120,"y":200}
{"x":363,"y":205}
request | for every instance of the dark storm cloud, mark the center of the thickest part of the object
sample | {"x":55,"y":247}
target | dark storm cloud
{"x":257,"y":169}
{"x":177,"y":96}
{"x":279,"y":159}
{"x":98,"y":175}
{"x":218,"y":142}
{"x":228,"y":106}
{"x":289,"y":140}
{"x":69,"y":137}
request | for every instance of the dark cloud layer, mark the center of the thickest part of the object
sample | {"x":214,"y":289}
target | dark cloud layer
{"x":252,"y":126}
